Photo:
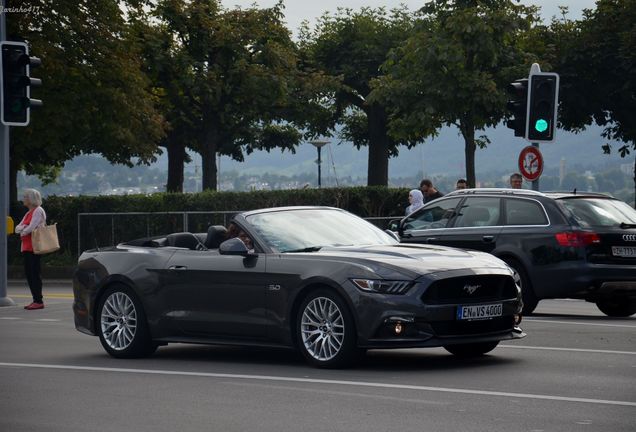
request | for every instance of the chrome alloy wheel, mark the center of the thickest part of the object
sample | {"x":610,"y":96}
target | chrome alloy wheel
{"x":322,"y":328}
{"x":119,"y":321}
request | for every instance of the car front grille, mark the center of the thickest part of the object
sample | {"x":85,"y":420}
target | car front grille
{"x":463,"y":328}
{"x":470,"y":289}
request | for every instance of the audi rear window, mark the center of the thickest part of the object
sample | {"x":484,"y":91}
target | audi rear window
{"x":590,"y":212}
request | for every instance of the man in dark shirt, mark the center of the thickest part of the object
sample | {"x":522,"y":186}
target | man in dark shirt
{"x":429,"y":191}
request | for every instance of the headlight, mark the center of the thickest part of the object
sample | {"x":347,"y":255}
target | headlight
{"x":383,"y":286}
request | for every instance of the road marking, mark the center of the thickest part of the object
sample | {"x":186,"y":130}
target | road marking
{"x":579,"y":323}
{"x":10,"y":318}
{"x":324,"y":381}
{"x":48,"y":319}
{"x":567,"y":349}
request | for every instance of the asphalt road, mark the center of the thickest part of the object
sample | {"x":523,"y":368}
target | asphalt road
{"x":575,"y":371}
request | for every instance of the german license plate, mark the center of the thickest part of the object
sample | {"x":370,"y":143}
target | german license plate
{"x":624,"y":251}
{"x":479,"y":312}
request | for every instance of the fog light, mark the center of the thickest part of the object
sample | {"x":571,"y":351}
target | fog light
{"x":517,"y":319}
{"x":397,"y":328}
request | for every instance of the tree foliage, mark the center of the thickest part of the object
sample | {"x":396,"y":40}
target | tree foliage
{"x":596,"y":58}
{"x":455,"y":68}
{"x":238,"y":76}
{"x":350,"y":46}
{"x":96,"y":97}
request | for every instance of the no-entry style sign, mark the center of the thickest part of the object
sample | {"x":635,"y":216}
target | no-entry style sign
{"x":530,"y":163}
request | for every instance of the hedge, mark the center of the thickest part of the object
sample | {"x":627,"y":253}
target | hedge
{"x":363,"y":201}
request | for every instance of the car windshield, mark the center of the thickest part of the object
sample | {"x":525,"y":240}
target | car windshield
{"x":600,"y":212}
{"x":307,"y":230}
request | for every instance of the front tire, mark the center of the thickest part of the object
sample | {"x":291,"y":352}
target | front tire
{"x":616,"y":307}
{"x":122,"y":327}
{"x":325,"y":330}
{"x":530,"y":300}
{"x":471,"y":349}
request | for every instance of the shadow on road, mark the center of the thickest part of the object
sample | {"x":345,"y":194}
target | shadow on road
{"x":421,"y":360}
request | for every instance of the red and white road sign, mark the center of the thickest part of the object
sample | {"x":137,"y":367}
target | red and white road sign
{"x":530,"y":163}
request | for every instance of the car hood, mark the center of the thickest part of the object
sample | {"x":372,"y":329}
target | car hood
{"x":418,"y":259}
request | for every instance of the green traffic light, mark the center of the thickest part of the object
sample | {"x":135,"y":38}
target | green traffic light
{"x":541,"y":125}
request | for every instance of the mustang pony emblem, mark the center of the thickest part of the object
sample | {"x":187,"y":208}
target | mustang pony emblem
{"x":470,"y":289}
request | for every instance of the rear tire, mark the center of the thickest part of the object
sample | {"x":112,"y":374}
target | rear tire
{"x":530,"y":300}
{"x":122,"y":327}
{"x":617,"y":307}
{"x":325,"y":330}
{"x":471,"y":349}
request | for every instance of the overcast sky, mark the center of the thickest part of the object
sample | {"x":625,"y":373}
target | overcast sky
{"x":298,"y":10}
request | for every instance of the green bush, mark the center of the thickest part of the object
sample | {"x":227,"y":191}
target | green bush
{"x":97,"y":230}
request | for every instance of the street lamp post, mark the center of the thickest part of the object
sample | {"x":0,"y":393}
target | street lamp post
{"x":319,"y":144}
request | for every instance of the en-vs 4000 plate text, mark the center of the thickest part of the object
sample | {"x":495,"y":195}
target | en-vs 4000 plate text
{"x":477,"y":312}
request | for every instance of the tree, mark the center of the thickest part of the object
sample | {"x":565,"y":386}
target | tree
{"x":168,"y":74}
{"x":350,"y":47}
{"x":596,"y":58}
{"x":96,"y":98}
{"x":454,"y":70}
{"x":237,"y":77}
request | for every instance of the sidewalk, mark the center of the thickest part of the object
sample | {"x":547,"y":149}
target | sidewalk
{"x":46,"y":283}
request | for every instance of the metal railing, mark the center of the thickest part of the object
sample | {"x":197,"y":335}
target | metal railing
{"x":110,"y":228}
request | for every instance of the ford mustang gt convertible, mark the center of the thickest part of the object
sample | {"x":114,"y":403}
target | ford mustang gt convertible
{"x":316,"y":279}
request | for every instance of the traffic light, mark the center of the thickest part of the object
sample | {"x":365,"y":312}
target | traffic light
{"x":518,"y":106}
{"x":543,"y":106}
{"x":17,"y":83}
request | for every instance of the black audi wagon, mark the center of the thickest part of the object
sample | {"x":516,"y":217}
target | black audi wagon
{"x":561,"y":245}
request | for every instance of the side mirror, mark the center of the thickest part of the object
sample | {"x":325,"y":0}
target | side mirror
{"x":233,"y":246}
{"x":394,"y":224}
{"x":392,"y":234}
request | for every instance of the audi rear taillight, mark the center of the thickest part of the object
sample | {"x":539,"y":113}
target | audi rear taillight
{"x":577,"y":238}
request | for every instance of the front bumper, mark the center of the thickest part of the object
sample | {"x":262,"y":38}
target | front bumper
{"x":429,"y":325}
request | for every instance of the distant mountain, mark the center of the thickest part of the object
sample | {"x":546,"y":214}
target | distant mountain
{"x":443,"y":155}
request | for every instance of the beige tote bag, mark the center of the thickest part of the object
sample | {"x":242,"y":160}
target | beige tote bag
{"x":44,"y":239}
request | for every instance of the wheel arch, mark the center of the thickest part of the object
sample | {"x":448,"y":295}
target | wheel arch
{"x":506,"y":255}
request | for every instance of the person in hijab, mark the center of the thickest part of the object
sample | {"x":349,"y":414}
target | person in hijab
{"x":416,"y":200}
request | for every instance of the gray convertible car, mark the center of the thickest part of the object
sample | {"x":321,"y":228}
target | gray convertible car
{"x":316,"y":279}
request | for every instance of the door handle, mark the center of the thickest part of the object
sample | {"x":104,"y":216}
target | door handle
{"x":430,"y":239}
{"x":488,"y":238}
{"x":178,"y":267}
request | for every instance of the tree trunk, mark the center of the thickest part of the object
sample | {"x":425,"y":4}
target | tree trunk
{"x":208,"y":161}
{"x":378,"y":165}
{"x":208,"y":152}
{"x":468,"y":132}
{"x":176,"y":158}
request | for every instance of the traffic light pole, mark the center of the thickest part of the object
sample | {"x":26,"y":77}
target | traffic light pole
{"x":4,"y":187}
{"x":535,"y":183}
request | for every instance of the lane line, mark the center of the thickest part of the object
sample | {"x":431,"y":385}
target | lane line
{"x":48,"y":319}
{"x":10,"y":318}
{"x":567,"y":349}
{"x":323,"y":381}
{"x":578,"y":323}
{"x":53,"y":296}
